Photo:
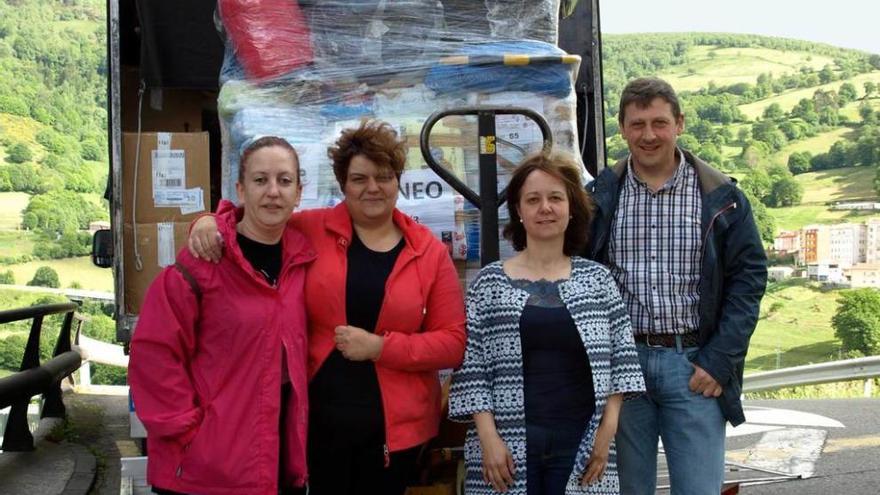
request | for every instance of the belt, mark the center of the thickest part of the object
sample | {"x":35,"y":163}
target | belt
{"x":690,"y":339}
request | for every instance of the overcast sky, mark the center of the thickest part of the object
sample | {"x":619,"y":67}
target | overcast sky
{"x":843,"y":23}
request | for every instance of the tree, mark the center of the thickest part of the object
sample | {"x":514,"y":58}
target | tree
{"x":765,"y":223}
{"x":19,"y":153}
{"x":847,"y":93}
{"x":45,"y":276}
{"x":773,"y":112}
{"x":826,"y":75}
{"x":785,"y":191}
{"x":870,"y":88}
{"x":7,"y":277}
{"x":867,"y":113}
{"x":857,"y":321}
{"x":799,"y":162}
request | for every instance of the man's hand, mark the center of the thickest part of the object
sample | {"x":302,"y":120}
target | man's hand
{"x":358,"y":344}
{"x":703,"y":383}
{"x":204,"y":240}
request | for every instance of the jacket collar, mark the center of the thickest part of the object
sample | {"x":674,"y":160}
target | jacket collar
{"x":709,"y":178}
{"x":296,"y":249}
{"x":417,"y":236}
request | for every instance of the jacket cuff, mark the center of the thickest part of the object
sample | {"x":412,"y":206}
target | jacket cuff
{"x":716,"y":364}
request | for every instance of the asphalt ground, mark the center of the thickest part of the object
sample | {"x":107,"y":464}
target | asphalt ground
{"x":834,"y":445}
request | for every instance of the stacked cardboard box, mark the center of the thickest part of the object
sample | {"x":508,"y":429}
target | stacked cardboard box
{"x":166,"y":182}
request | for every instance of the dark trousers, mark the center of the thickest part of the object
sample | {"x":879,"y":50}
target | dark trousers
{"x":550,"y":454}
{"x":346,"y":456}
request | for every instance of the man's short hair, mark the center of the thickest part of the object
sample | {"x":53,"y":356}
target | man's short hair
{"x":642,"y":92}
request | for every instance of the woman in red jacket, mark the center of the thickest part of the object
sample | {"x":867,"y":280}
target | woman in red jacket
{"x":218,"y":357}
{"x":385,"y":312}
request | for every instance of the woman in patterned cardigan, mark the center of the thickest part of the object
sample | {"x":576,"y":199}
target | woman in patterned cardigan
{"x":549,"y":354}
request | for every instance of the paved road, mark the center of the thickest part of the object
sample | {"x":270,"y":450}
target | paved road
{"x":834,"y":444}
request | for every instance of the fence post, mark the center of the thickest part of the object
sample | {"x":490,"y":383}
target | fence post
{"x":53,"y":405}
{"x":17,"y":437}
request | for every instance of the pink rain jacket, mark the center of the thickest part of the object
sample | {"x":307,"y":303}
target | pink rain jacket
{"x":205,"y":372}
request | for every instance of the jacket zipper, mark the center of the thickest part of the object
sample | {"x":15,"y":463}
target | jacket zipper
{"x":712,"y":222}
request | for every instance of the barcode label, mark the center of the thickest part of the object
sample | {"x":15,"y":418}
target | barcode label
{"x":171,"y":183}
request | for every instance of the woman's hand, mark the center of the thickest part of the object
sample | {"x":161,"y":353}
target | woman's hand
{"x":498,"y":468}
{"x":602,"y":443}
{"x":358,"y":344}
{"x":205,"y":242}
{"x":599,"y":458}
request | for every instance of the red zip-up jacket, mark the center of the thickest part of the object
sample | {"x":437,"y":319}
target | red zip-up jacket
{"x":421,"y":320}
{"x":205,"y":371}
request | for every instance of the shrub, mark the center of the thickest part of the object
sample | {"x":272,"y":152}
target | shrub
{"x":45,"y":276}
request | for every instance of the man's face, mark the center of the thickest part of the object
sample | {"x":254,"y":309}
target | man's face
{"x":651,"y":133}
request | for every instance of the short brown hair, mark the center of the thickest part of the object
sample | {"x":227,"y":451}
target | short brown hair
{"x":374,"y":139}
{"x":264,"y":142}
{"x":561,"y":166}
{"x":642,"y":92}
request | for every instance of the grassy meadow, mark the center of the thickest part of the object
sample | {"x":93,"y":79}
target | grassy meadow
{"x":79,"y":269}
{"x":726,"y":66}
{"x":795,"y":323}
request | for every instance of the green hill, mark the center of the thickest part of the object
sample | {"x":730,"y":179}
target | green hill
{"x":53,"y":128}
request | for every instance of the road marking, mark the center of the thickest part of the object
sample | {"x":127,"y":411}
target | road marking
{"x":863,"y":442}
{"x":766,"y":419}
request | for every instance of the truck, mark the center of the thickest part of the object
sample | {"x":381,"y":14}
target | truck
{"x":170,"y":92}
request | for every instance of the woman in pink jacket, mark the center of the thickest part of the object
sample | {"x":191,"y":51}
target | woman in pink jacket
{"x":385,"y":312}
{"x":218,"y":357}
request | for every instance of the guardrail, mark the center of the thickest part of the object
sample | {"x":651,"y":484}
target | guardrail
{"x":814,"y":374}
{"x":35,"y":379}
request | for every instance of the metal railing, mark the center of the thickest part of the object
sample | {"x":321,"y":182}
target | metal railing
{"x":35,"y":378}
{"x":814,"y":374}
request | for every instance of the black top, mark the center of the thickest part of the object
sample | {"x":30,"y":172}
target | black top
{"x":558,"y":382}
{"x":265,"y":258}
{"x":349,"y":390}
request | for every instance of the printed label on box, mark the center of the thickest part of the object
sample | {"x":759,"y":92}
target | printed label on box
{"x":169,"y":169}
{"x":182,"y":198}
{"x":165,"y":239}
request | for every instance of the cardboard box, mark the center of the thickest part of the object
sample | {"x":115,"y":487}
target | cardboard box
{"x":169,"y":180}
{"x":157,"y":244}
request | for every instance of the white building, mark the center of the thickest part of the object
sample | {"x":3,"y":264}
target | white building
{"x":846,"y":244}
{"x":777,"y":273}
{"x":872,"y":241}
{"x":865,"y":275}
{"x":823,"y":272}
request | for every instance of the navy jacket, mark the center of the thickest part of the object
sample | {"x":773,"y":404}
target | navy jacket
{"x":733,"y":272}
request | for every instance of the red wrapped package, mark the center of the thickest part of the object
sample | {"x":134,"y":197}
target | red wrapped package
{"x":270,"y":37}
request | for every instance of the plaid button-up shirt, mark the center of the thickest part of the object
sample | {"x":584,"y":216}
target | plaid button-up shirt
{"x":655,"y":251}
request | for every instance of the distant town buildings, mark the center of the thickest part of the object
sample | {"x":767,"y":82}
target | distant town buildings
{"x":842,"y":253}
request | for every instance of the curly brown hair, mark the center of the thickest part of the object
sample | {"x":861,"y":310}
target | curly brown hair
{"x":373,"y":139}
{"x":563,"y":167}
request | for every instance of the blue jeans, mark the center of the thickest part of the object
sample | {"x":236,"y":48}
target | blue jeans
{"x":550,"y":456}
{"x":692,"y":428}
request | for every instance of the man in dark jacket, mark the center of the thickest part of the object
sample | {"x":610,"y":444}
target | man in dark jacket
{"x":681,"y":242}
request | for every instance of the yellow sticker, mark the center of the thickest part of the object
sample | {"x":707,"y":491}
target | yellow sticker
{"x":487,"y":145}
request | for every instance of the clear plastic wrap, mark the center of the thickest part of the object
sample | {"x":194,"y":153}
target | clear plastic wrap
{"x":397,"y":61}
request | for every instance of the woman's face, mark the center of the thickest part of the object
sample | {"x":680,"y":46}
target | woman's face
{"x":370,"y":191}
{"x":270,"y":189}
{"x":543,"y":206}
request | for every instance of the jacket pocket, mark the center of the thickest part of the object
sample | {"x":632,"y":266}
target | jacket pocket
{"x":218,"y":455}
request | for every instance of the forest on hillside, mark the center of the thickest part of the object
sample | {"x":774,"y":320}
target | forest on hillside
{"x":53,"y":121}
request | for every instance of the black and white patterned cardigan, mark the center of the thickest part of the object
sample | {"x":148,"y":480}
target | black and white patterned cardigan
{"x":491,"y":376}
